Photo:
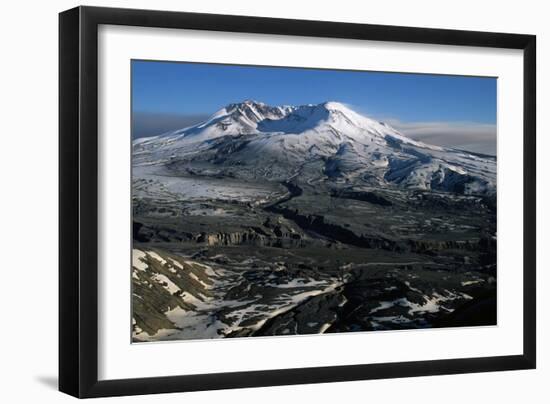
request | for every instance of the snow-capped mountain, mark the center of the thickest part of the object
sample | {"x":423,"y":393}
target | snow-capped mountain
{"x":327,"y":143}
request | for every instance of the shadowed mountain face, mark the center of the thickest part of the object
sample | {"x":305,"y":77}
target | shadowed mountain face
{"x":307,"y":219}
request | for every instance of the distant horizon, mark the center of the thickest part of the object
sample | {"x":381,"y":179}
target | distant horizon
{"x":452,"y":111}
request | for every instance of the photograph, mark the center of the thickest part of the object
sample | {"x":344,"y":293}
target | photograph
{"x":277,"y":201}
{"x":272,"y":202}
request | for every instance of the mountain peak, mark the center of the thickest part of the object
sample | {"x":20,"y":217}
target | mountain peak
{"x":249,"y":102}
{"x":257,"y":110}
{"x":250,"y":112}
{"x":246,"y":104}
{"x":251,"y":115}
{"x":335,"y":106}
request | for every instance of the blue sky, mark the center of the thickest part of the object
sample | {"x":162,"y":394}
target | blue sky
{"x":186,"y":92}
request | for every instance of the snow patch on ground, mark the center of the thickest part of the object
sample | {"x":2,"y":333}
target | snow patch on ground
{"x":473,"y":282}
{"x":157,"y":257}
{"x":166,"y":283}
{"x":432,"y":304}
{"x":176,"y":263}
{"x":137,"y":260}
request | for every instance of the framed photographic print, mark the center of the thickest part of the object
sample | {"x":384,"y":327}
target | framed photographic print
{"x":251,"y":201}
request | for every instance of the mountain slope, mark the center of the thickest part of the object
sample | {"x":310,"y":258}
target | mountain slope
{"x":328,"y":143}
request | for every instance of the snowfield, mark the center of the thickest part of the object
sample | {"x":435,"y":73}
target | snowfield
{"x":252,"y":141}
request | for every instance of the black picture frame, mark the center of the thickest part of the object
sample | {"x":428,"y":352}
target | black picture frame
{"x":78,"y":201}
